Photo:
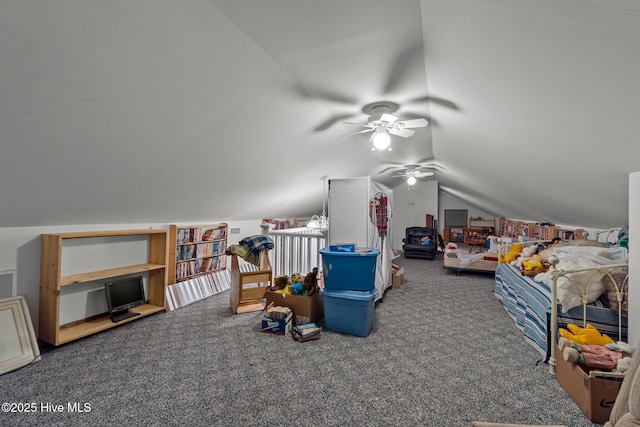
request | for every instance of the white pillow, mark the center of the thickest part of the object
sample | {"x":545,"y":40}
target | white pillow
{"x":572,"y":288}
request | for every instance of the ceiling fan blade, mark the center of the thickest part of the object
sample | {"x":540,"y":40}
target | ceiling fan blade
{"x":369,"y":125}
{"x":415,"y":123}
{"x":424,"y":174}
{"x":360,"y":131}
{"x":389,"y":118}
{"x":404,"y":133}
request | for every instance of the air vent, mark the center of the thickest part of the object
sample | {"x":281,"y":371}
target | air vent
{"x":8,"y":283}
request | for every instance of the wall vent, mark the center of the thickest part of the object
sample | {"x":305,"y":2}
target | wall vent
{"x":8,"y":283}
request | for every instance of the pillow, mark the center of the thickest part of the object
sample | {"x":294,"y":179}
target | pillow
{"x":572,"y":288}
{"x":546,"y":253}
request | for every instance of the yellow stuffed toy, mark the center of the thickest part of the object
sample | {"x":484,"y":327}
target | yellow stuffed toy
{"x":585,"y":336}
{"x":513,"y":253}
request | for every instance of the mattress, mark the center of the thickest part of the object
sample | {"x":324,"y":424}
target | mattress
{"x":528,"y":303}
{"x":477,"y":265}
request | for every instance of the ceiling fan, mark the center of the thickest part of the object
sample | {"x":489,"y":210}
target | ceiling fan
{"x":382,"y":123}
{"x":413,"y":174}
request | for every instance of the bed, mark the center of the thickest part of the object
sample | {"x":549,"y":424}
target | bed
{"x":460,"y":259}
{"x":527,"y":299}
{"x":476,"y":264}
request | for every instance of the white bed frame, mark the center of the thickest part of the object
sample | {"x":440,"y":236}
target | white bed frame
{"x":555,"y":274}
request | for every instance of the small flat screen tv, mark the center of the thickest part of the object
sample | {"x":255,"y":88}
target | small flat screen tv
{"x":124,"y":294}
{"x":455,"y":218}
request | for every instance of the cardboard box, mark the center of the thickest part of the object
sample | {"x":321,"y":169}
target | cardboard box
{"x":305,"y":309}
{"x":397,"y":278}
{"x":277,"y":321}
{"x":594,"y":394}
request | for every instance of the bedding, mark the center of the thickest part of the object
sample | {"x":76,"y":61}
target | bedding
{"x":528,"y":303}
{"x":476,"y":264}
{"x":461,"y":260}
{"x":572,"y":288}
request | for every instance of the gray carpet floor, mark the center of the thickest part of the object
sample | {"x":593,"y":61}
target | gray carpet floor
{"x":442,"y":352}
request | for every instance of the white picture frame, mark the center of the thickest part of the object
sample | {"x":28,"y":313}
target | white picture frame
{"x":18,"y":343}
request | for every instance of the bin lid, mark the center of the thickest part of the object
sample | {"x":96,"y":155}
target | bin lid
{"x":371,"y":252}
{"x":352,"y":295}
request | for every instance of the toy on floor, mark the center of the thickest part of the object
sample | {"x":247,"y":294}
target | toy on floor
{"x":588,"y":335}
{"x":310,"y":282}
{"x":595,"y":356}
{"x":294,"y":285}
{"x":279,"y":283}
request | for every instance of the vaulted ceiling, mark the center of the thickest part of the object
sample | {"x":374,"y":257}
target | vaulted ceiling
{"x":162,"y":111}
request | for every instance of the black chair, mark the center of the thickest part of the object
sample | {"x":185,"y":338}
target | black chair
{"x":414,"y":247}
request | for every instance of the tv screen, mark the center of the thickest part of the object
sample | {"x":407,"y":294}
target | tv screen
{"x":124,"y":293}
{"x":455,"y":218}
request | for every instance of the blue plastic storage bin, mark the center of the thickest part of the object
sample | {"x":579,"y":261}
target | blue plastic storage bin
{"x":349,"y":271}
{"x":349,"y":312}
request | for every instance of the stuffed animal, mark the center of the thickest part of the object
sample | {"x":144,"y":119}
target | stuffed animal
{"x":310,"y":282}
{"x":513,"y":253}
{"x":279,"y":283}
{"x":594,"y":356}
{"x":588,"y":335}
{"x":295,"y":285}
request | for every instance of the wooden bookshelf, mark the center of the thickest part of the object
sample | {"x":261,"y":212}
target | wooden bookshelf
{"x":486,"y":224}
{"x":535,"y":230}
{"x":51,"y":283}
{"x":196,"y":250}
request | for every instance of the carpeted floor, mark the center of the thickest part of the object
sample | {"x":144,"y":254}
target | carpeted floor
{"x":442,"y":352}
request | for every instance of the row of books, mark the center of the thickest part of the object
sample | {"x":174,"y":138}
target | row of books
{"x":192,"y":235}
{"x":195,"y":289}
{"x":196,"y":266}
{"x":200,"y":250}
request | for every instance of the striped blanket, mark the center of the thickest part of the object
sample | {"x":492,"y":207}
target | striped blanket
{"x":528,"y":303}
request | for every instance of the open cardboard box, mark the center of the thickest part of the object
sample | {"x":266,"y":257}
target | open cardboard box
{"x":305,"y":309}
{"x":594,"y":394}
{"x":397,"y":278}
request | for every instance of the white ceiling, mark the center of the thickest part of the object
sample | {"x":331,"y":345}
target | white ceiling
{"x":163,"y":111}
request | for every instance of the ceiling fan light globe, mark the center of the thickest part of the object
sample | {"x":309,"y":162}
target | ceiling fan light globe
{"x":381,"y":140}
{"x":411,"y":180}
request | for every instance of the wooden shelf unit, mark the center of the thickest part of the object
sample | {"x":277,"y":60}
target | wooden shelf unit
{"x":248,"y":287}
{"x":534,"y":230}
{"x":489,"y":225}
{"x":51,"y":282}
{"x":196,"y":250}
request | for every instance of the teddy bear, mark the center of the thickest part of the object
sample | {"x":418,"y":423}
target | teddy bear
{"x":588,"y":335}
{"x":513,"y":253}
{"x":596,"y":356}
{"x":294,"y":284}
{"x":310,"y":282}
{"x":279,"y":283}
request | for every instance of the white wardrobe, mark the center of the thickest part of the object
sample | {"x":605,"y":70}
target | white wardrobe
{"x":361,"y":212}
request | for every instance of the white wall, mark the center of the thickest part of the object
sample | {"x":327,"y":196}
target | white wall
{"x":447,"y":201}
{"x":20,"y":250}
{"x":634,"y":261}
{"x":410,"y":207}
